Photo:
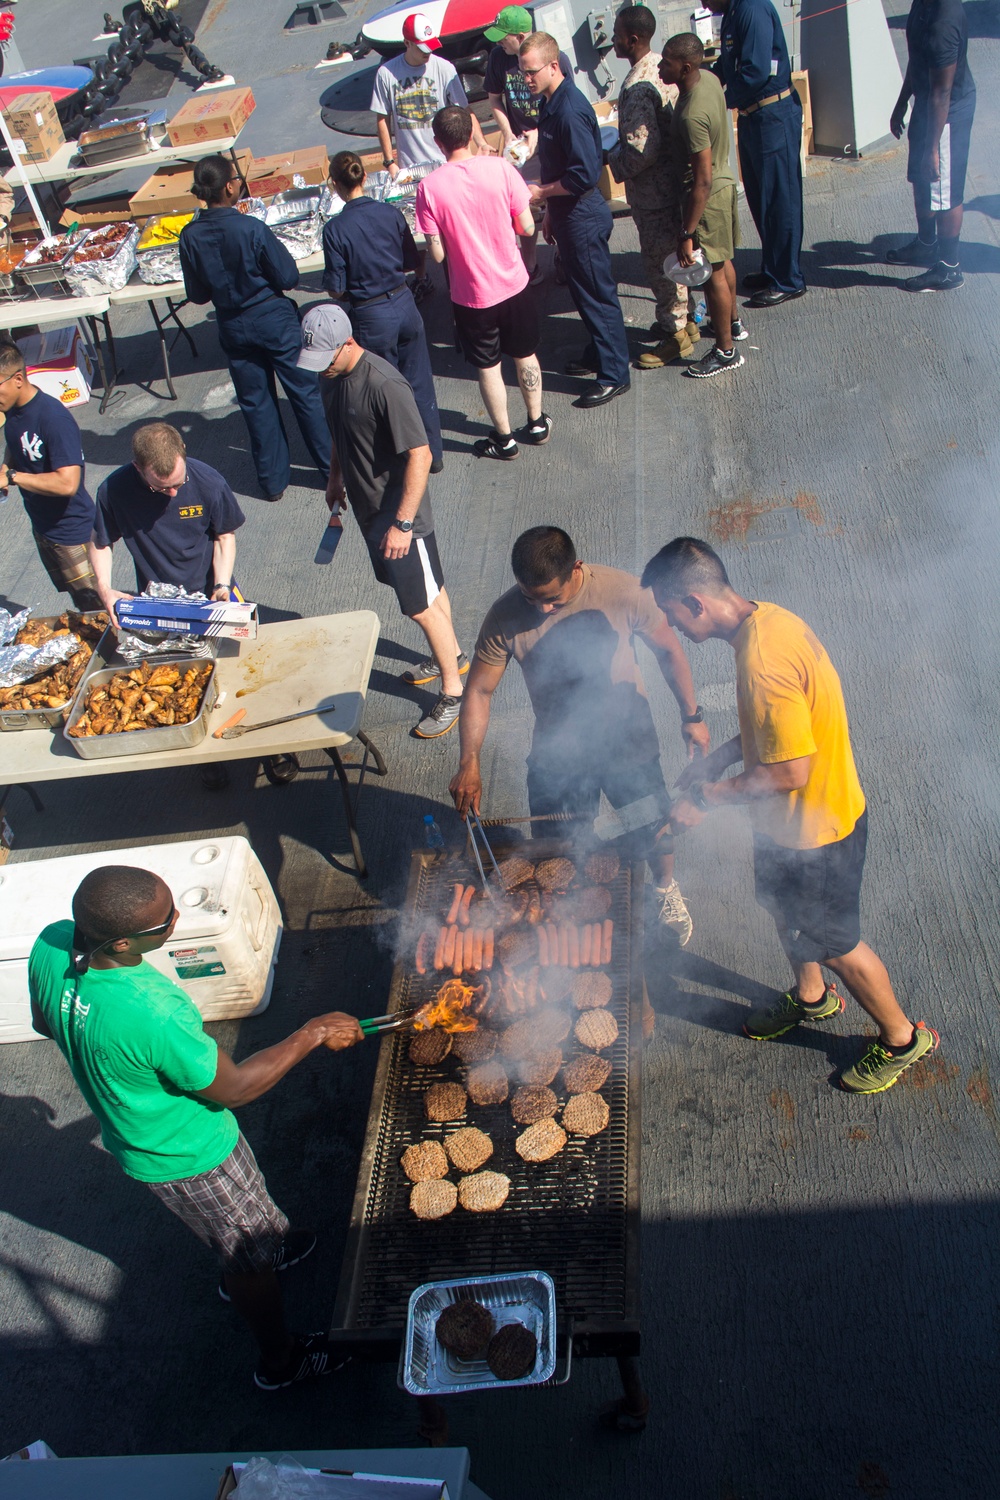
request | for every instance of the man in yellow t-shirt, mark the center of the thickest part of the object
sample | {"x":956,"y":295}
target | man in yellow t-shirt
{"x":805,"y":801}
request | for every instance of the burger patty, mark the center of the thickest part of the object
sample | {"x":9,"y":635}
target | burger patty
{"x":514,"y":871}
{"x":586,"y":1114}
{"x":591,"y":990}
{"x":557,"y":982}
{"x":540,"y":1142}
{"x":602,"y":868}
{"x":430,"y":1047}
{"x":555,"y":874}
{"x":524,"y":1038}
{"x":597,"y":1029}
{"x":552,"y":1026}
{"x":592,"y":904}
{"x":465,"y":1328}
{"x":512,"y":1352}
{"x":531,"y":1103}
{"x":541,"y":1068}
{"x":475,"y":1046}
{"x":586,"y":1072}
{"x":518,"y":947}
{"x":445,"y":1101}
{"x":484,"y":1192}
{"x":468,"y":1149}
{"x":487,"y":1084}
{"x":424,"y":1161}
{"x":432,"y":1200}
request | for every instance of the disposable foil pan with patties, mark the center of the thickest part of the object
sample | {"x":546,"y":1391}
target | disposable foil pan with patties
{"x":426,"y":1368}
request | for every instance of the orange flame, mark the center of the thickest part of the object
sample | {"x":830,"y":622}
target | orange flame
{"x":449,"y":1009}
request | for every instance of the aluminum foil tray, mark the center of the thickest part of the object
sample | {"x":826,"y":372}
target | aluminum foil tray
{"x":50,"y":718}
{"x":93,"y":278}
{"x":428,"y":1369}
{"x":140,"y":741}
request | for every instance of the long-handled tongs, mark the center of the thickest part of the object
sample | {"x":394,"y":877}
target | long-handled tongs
{"x":473,"y":817}
{"x":379,"y":1025}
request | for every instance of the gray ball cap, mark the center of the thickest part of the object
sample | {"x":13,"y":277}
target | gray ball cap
{"x":325,"y":329}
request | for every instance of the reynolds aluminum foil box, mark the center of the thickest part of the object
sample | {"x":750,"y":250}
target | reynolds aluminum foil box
{"x":180,"y":617}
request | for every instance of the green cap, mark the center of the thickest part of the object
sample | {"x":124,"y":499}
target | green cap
{"x":512,"y":20}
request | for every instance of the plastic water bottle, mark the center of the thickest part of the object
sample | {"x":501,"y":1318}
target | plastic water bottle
{"x":699,"y":310}
{"x":432,"y":834}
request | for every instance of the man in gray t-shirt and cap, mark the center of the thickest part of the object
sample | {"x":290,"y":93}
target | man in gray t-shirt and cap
{"x":380,"y":463}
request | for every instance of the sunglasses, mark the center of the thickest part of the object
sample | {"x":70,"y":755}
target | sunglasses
{"x":81,"y":961}
{"x":534,"y":72}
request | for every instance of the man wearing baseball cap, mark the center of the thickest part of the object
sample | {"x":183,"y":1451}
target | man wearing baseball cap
{"x":380,"y":463}
{"x":514,"y":108}
{"x":409,"y":90}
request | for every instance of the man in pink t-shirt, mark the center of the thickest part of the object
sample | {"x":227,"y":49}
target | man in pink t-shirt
{"x":472,"y":210}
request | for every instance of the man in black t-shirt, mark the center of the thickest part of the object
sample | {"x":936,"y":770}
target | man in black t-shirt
{"x":379,"y":465}
{"x":44,"y":460}
{"x":940,"y":83}
{"x":177,"y":517}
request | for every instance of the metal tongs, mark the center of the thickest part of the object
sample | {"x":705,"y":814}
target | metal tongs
{"x":471,"y":816}
{"x":379,"y":1025}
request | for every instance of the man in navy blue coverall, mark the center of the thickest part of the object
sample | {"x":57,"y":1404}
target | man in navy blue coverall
{"x":754,"y":67}
{"x":570,"y":159}
{"x":240,"y":265}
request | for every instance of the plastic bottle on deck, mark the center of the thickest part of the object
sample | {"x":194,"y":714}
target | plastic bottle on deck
{"x":432,"y":834}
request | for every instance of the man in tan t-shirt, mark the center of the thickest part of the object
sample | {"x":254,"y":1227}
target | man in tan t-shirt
{"x":571,"y":627}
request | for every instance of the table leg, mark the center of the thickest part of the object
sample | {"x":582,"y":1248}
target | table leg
{"x":164,"y":352}
{"x":351,"y":803}
{"x":174,"y":310}
{"x":109,"y":382}
{"x":5,"y":792}
{"x":241,"y":174}
{"x":433,"y":1421}
{"x":632,"y":1411}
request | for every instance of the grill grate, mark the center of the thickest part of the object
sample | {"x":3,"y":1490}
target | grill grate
{"x":571,"y":1217}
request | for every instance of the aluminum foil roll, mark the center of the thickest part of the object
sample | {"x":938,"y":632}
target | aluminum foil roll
{"x":136,"y":645}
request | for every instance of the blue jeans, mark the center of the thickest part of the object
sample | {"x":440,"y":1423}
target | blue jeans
{"x":770,"y":142}
{"x":393,"y":328}
{"x":583,"y":233}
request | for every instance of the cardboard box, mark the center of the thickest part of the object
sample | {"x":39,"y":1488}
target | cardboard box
{"x":211,"y":117}
{"x":800,"y":83}
{"x":168,"y":191}
{"x":32,"y":118}
{"x":610,"y":189}
{"x":341,"y":1486}
{"x":105,"y":211}
{"x":175,"y":617}
{"x":311,"y":164}
{"x":59,"y":363}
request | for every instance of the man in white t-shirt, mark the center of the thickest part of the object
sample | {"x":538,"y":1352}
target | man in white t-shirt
{"x":409,"y":90}
{"x":472,"y":210}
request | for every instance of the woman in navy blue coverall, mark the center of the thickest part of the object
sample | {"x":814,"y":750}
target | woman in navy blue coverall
{"x":237,"y":263}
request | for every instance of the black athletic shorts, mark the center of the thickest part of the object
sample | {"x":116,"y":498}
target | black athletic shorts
{"x":814,"y":894}
{"x":558,"y":785}
{"x":949,"y":190}
{"x":512,"y":328}
{"x":416,"y":579}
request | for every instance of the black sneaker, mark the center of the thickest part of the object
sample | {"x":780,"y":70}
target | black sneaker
{"x":497,"y":445}
{"x":442,"y":717}
{"x":714,"y":363}
{"x":940,"y":278}
{"x":297,"y":1244}
{"x":537,"y":432}
{"x":429,"y":671}
{"x":914,"y":253}
{"x":312,"y":1356}
{"x":739,"y":331}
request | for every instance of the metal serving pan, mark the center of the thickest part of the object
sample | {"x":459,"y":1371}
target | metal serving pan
{"x":428,"y":1369}
{"x":141,"y":741}
{"x":40,"y":273}
{"x":48,"y":718}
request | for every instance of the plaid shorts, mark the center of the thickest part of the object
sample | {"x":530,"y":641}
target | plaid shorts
{"x":231,"y":1210}
{"x":69,"y":569}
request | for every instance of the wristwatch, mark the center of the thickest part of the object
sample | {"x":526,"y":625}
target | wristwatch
{"x":698,"y":717}
{"x":403,"y":525}
{"x":693,"y":237}
{"x":388,"y":161}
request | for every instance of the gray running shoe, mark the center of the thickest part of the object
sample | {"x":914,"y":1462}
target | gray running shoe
{"x":442,"y":717}
{"x":673,"y":913}
{"x":878,"y":1068}
{"x":714,"y":363}
{"x":788,"y":1012}
{"x":429,"y":671}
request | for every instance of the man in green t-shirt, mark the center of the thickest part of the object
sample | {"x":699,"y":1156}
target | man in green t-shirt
{"x":710,"y":218}
{"x":163,"y":1091}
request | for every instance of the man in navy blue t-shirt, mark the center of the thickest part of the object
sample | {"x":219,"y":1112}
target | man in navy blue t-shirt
{"x":177,"y":517}
{"x":44,"y":460}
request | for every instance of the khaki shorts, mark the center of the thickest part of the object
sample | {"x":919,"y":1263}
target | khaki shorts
{"x":719,"y":226}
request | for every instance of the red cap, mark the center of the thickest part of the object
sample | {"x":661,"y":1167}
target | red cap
{"x":417,"y":28}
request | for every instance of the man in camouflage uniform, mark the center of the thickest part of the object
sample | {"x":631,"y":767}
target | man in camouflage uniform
{"x":643,"y":162}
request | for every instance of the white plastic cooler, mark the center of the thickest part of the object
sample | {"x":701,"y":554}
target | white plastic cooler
{"x":223,"y":949}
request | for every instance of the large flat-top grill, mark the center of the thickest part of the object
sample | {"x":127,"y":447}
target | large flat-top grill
{"x":575,"y":1217}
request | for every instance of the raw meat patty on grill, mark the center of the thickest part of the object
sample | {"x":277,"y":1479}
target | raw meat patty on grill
{"x":512,"y":1352}
{"x":557,"y":982}
{"x":540,"y":1142}
{"x":518,"y":947}
{"x":475,"y":1046}
{"x":597,"y":1029}
{"x":551,"y":1026}
{"x":591,"y":991}
{"x":484,"y":1192}
{"x":445,"y":1101}
{"x":532,"y":1103}
{"x":539,"y":1069}
{"x":514,"y":870}
{"x":465,"y":1328}
{"x":430,"y":1047}
{"x":555,"y":874}
{"x":468,"y":1149}
{"x":432,"y":1200}
{"x":602,"y":868}
{"x":586,"y":1114}
{"x":424,"y":1161}
{"x":586,"y":1072}
{"x":487,"y":1084}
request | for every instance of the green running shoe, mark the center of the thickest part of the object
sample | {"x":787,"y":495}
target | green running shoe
{"x":878,"y":1069}
{"x":765,"y":1025}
